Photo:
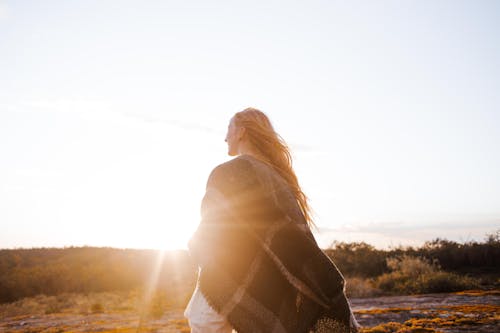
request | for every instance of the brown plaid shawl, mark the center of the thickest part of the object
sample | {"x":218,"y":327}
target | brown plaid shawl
{"x":260,"y":265}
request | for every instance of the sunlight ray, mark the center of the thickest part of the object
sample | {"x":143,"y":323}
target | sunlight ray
{"x":150,"y":288}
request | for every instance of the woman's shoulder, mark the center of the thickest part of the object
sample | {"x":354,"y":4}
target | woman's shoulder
{"x":236,"y":165}
{"x":233,"y":170}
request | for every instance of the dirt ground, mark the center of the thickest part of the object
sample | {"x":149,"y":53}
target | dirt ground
{"x":456,"y":312}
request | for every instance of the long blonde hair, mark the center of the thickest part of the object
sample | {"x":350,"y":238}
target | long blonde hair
{"x":273,"y":150}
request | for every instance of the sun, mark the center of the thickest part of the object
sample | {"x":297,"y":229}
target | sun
{"x":173,"y":234}
{"x":175,"y":238}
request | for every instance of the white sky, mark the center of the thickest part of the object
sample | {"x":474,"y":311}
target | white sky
{"x":113,"y":113}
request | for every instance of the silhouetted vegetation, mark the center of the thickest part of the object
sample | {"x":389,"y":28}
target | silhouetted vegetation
{"x":363,"y":260}
{"x":358,"y":259}
{"x":418,"y":276}
{"x":49,"y":271}
{"x":430,"y":268}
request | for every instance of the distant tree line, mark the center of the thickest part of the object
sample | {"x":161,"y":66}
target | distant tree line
{"x":363,"y":260}
{"x":51,"y":271}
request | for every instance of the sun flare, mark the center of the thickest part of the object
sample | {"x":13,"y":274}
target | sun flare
{"x":172,"y":235}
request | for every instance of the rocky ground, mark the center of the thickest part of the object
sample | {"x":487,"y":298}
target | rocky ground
{"x":456,"y":312}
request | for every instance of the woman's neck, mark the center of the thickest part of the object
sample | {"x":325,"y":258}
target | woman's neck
{"x":245,"y":148}
{"x":253,"y":154}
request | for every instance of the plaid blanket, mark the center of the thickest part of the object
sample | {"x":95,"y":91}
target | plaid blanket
{"x":260,"y":266}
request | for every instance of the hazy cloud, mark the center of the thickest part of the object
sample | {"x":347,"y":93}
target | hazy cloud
{"x":98,"y":110}
{"x":386,"y":234}
{"x":63,"y":105}
{"x":187,"y":125}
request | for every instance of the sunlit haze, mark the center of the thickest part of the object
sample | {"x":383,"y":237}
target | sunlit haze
{"x":113,"y":114}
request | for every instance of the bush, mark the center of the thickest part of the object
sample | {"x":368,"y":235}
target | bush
{"x":411,"y":266}
{"x":359,"y":287}
{"x":441,"y":282}
{"x":97,"y":308}
{"x":412,"y":275}
{"x":358,"y":259}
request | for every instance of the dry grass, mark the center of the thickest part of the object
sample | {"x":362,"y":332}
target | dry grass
{"x":412,"y":275}
{"x":393,"y":327}
{"x":379,"y":311}
{"x":97,"y":312}
{"x":181,"y":325}
{"x":478,"y":292}
{"x":72,"y":303}
{"x":438,"y":319}
{"x":359,"y":287}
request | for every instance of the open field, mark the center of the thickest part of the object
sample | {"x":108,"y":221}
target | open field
{"x":121,"y":290}
{"x":473,"y":311}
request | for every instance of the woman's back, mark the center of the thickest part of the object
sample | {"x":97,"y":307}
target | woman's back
{"x":260,"y":267}
{"x":265,"y":272}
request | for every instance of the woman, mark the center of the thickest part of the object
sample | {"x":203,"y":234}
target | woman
{"x":260,"y":268}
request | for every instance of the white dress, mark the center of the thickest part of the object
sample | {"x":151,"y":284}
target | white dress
{"x":202,"y":318}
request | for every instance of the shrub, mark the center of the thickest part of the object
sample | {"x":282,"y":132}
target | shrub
{"x":441,"y":282}
{"x":358,"y":259}
{"x":411,"y":266}
{"x":97,"y":308}
{"x":52,"y":308}
{"x":412,"y":275}
{"x":359,"y":287}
